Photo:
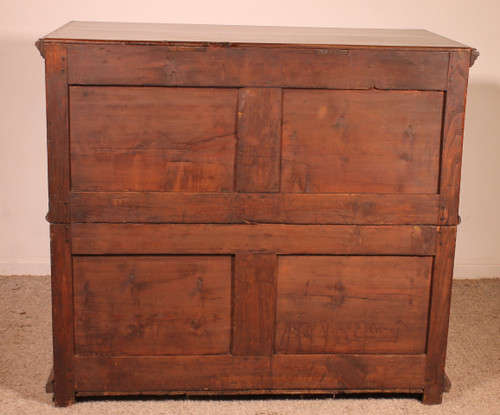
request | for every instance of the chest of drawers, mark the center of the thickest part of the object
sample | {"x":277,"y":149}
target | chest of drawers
{"x":251,"y":210}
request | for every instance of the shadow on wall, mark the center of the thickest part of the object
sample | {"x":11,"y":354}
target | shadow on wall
{"x":478,"y":243}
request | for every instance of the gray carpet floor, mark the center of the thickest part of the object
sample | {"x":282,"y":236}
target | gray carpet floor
{"x":473,"y":364}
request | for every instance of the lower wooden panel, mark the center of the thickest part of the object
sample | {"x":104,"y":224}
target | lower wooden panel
{"x":352,"y":304}
{"x":225,"y":372}
{"x":140,"y":305}
{"x":100,"y":239}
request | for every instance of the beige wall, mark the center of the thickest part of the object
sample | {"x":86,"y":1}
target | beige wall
{"x":24,"y":240}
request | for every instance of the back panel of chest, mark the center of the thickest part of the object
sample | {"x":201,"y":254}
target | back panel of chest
{"x":252,"y":218}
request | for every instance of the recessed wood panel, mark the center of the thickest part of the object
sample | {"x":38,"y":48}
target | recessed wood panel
{"x":352,"y":304}
{"x":361,"y":141}
{"x":152,"y":305}
{"x":157,"y":139}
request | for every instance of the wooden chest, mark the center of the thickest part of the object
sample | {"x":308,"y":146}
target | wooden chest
{"x":251,"y":210}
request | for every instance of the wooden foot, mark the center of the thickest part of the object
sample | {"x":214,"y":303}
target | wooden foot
{"x":447,"y":384}
{"x":433,"y":395}
{"x":49,"y":386}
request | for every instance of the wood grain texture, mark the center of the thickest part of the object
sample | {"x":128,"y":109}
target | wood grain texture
{"x":453,"y":130}
{"x":56,"y":74}
{"x":105,"y":239}
{"x":62,"y":313}
{"x":352,"y":304}
{"x":157,"y":139}
{"x":251,"y":210}
{"x":439,"y":315}
{"x":169,"y":207}
{"x":259,"y":140}
{"x":361,"y":141}
{"x":152,"y":305}
{"x":224,"y":34}
{"x":343,"y":68}
{"x":348,"y":371}
{"x":181,"y":373}
{"x":219,"y":373}
{"x":254,"y":304}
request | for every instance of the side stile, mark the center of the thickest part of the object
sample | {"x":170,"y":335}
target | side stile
{"x":56,"y":76}
{"x":439,"y":315}
{"x":62,"y":313}
{"x":453,"y":129}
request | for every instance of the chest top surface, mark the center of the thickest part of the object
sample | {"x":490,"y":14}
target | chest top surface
{"x":261,"y":35}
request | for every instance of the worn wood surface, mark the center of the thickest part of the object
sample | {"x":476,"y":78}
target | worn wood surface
{"x":348,"y":371}
{"x":439,"y":314}
{"x":152,"y":305}
{"x":453,"y":130}
{"x":344,"y":68}
{"x":361,"y":141}
{"x":158,"y":139}
{"x":301,"y":36}
{"x":62,"y":313}
{"x":254,"y":304}
{"x":352,"y":304}
{"x":333,"y":208}
{"x":56,"y":73}
{"x":215,"y":373}
{"x":259,"y":140}
{"x":105,"y":239}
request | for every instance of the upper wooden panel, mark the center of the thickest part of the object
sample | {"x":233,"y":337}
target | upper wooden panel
{"x":361,"y":141}
{"x":165,"y":33}
{"x":158,"y":139}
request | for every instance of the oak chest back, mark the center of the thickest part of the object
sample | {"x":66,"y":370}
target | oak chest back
{"x":251,"y":210}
